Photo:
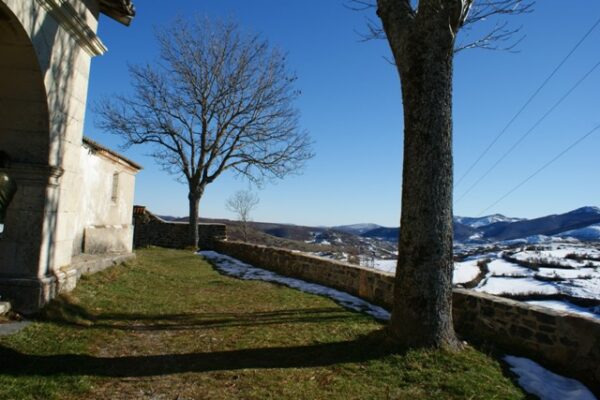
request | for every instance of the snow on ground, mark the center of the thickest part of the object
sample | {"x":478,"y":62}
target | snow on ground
{"x":567,"y":273}
{"x":516,"y":286}
{"x":583,"y":288}
{"x":566,"y":306}
{"x":547,"y":385}
{"x":503,"y":267}
{"x":535,"y":239}
{"x":385,"y":265}
{"x":234,"y":267}
{"x":576,"y":279}
{"x":591,"y":232}
{"x":465,"y":272}
{"x":555,"y":257}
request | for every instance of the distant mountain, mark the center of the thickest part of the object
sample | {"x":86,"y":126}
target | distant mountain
{"x":169,"y":218}
{"x":478,"y":222}
{"x":549,"y":225}
{"x":389,"y":234}
{"x":461,"y":233}
{"x":591,"y":232}
{"x":356,"y":229}
{"x":582,"y":223}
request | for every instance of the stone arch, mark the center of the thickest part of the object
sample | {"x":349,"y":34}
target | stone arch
{"x":45,"y":53}
{"x":25,"y":135}
{"x":24,"y":115}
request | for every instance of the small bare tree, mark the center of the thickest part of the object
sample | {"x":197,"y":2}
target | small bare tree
{"x":422,"y":36}
{"x":215,"y":100}
{"x":242,"y":203}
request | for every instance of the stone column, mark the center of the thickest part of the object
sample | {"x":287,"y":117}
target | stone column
{"x":27,"y":246}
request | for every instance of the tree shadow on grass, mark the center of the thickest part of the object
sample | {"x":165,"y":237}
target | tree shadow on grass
{"x":64,"y":312}
{"x":363,"y":349}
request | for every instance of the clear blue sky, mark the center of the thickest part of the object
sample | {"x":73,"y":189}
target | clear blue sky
{"x":351,"y":105}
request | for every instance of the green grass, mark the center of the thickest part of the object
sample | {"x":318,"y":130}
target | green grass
{"x":168,"y":326}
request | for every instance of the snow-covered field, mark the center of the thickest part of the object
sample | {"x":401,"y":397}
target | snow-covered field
{"x":562,"y":272}
{"x":537,"y":268}
{"x":557,"y":273}
{"x":465,"y":272}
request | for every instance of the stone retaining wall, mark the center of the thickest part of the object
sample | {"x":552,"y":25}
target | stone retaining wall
{"x":150,"y":230}
{"x":374,"y":286}
{"x":565,"y":342}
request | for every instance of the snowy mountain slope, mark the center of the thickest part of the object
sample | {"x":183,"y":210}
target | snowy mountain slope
{"x":478,"y":222}
{"x":591,"y":232}
{"x":548,"y":225}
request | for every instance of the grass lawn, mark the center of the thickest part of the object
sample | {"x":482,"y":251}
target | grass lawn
{"x":168,"y":326}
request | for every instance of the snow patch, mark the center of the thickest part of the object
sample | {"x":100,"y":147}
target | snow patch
{"x":568,"y":307}
{"x":516,"y":286}
{"x":385,"y":265}
{"x":537,"y":380}
{"x":591,"y":232}
{"x":233,"y":267}
{"x":503,"y":267}
{"x":465,"y":272}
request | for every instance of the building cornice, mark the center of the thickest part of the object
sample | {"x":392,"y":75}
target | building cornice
{"x":35,"y":173}
{"x":122,"y":11}
{"x":111,"y":155}
{"x":71,"y":21}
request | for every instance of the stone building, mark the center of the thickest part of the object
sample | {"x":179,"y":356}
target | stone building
{"x":104,"y":221}
{"x":46,"y":48}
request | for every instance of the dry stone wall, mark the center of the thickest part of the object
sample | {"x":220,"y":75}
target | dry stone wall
{"x":567,"y":343}
{"x":150,"y":230}
{"x":358,"y":281}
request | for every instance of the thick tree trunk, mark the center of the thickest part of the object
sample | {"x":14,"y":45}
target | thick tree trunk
{"x":194,"y":202}
{"x":422,"y":310}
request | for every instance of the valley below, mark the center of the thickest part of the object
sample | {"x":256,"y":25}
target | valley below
{"x":552,"y":261}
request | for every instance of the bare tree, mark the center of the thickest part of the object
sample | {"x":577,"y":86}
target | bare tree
{"x":422,"y":37}
{"x":242,"y":203}
{"x":216,"y":100}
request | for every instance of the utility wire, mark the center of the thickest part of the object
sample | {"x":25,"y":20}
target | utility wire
{"x":543,"y":167}
{"x":537,"y":123}
{"x":538,"y":90}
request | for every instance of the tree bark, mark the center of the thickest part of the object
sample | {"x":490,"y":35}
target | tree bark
{"x":194,"y":202}
{"x":422,"y":309}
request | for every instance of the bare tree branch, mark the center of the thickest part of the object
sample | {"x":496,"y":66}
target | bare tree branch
{"x":498,"y":36}
{"x":242,"y":203}
{"x":216,"y":99}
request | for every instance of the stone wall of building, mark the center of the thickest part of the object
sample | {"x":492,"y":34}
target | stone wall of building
{"x":104,"y":199}
{"x":151,"y":230}
{"x":565,"y":342}
{"x":45,"y":58}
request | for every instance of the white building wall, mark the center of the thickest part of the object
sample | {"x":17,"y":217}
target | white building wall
{"x":45,"y":54}
{"x":101,"y":224}
{"x":63,"y":36}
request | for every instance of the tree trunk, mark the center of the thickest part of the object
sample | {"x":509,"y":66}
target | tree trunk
{"x":194,"y":202}
{"x":422,"y":309}
{"x":245,"y":230}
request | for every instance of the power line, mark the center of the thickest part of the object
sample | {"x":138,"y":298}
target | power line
{"x":535,"y":125}
{"x":543,"y":167}
{"x":538,"y":90}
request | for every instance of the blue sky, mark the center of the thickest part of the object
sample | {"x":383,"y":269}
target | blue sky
{"x":351,"y":105}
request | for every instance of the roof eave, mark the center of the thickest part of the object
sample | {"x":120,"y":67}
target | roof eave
{"x":98,"y":147}
{"x":122,"y":11}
